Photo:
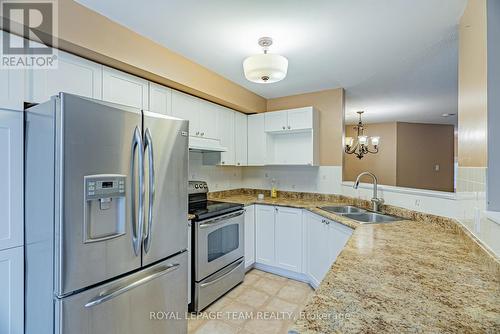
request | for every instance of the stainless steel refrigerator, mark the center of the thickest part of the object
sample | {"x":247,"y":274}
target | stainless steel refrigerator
{"x":105,"y":219}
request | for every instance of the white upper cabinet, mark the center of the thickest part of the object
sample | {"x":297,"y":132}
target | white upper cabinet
{"x":73,"y":75}
{"x":291,"y":119}
{"x":12,"y":83}
{"x":185,"y":106}
{"x":225,"y":121}
{"x":124,"y":88}
{"x":275,"y":121}
{"x":289,"y":238}
{"x":256,"y":140}
{"x":240,"y":139}
{"x":300,"y":118}
{"x":160,"y":99}
{"x":202,"y":115}
{"x":11,"y":179}
{"x":208,"y":120}
{"x":296,"y":142}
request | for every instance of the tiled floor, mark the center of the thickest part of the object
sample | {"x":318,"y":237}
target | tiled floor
{"x":263,"y":303}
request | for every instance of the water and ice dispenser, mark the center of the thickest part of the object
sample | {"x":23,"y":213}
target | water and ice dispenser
{"x":104,"y":216}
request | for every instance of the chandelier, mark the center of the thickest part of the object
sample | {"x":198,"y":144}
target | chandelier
{"x":360,"y":147}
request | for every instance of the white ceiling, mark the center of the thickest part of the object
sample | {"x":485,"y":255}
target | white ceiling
{"x":397,"y":59}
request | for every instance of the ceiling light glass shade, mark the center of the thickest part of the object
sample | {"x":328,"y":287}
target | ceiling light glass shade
{"x":362,"y":140}
{"x":375,"y":141}
{"x":265,"y":68}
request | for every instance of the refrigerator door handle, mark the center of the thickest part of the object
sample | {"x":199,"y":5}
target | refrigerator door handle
{"x":115,"y":292}
{"x":148,"y":146}
{"x":137,"y":219}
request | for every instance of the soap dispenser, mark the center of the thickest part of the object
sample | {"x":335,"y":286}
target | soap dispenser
{"x":274,"y":191}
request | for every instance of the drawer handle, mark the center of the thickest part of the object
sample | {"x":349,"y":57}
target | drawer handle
{"x":230,"y":269}
{"x":108,"y":295}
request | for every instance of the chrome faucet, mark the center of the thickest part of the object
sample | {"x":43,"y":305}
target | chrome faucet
{"x":376,"y":202}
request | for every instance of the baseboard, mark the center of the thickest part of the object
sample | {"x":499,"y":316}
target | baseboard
{"x":285,"y":273}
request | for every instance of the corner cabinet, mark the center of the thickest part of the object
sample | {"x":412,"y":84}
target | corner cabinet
{"x":292,"y":137}
{"x":240,"y":139}
{"x":324,"y":240}
{"x":278,"y":237}
{"x":123,"y":88}
{"x":256,"y":140}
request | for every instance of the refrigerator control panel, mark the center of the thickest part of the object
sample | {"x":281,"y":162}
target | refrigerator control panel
{"x":104,"y":186}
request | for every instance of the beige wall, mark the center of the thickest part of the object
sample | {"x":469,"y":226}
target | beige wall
{"x":382,"y":164}
{"x":407,"y":155}
{"x":420,"y":147}
{"x":472,"y":81}
{"x":88,"y":34}
{"x":330,"y":104}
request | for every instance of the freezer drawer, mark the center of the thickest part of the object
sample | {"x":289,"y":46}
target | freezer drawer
{"x":127,"y":305}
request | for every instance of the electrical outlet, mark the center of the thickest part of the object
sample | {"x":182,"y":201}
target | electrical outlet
{"x":436,"y":167}
{"x":417,"y":203}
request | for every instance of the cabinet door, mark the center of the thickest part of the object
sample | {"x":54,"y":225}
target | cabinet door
{"x":317,"y":248}
{"x":300,"y":118}
{"x":264,"y":234}
{"x":12,"y":291}
{"x":73,"y":75}
{"x":338,"y":235}
{"x":225,"y":121}
{"x":275,"y":121}
{"x":12,"y":83}
{"x":160,"y":99}
{"x":11,"y":178}
{"x":256,"y":140}
{"x":123,"y":88}
{"x":289,"y":239}
{"x":240,"y":139}
{"x":186,"y":107}
{"x":208,"y":119}
{"x":249,"y":235}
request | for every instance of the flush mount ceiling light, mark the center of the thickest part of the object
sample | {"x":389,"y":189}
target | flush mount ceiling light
{"x":266,"y":67}
{"x":360,"y":147}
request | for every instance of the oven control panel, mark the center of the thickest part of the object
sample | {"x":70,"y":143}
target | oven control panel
{"x":197,"y":187}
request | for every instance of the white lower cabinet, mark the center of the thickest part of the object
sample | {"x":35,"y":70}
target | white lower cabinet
{"x":264,"y":234}
{"x":12,"y":290}
{"x":325,"y":239}
{"x":278,"y":237}
{"x":249,"y":235}
{"x":296,"y":243}
{"x":288,"y":238}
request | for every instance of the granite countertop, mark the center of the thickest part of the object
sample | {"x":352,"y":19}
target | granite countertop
{"x":423,"y":274}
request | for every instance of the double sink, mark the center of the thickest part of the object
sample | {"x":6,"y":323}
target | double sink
{"x":360,"y":215}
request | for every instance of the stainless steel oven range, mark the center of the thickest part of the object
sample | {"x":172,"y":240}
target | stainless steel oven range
{"x":218,"y":261}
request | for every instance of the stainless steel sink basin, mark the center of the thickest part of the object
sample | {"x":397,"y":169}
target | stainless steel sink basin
{"x":342,"y":209}
{"x":372,"y":218}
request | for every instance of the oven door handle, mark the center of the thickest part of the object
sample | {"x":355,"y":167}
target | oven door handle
{"x":218,"y":220}
{"x":223,"y":273}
